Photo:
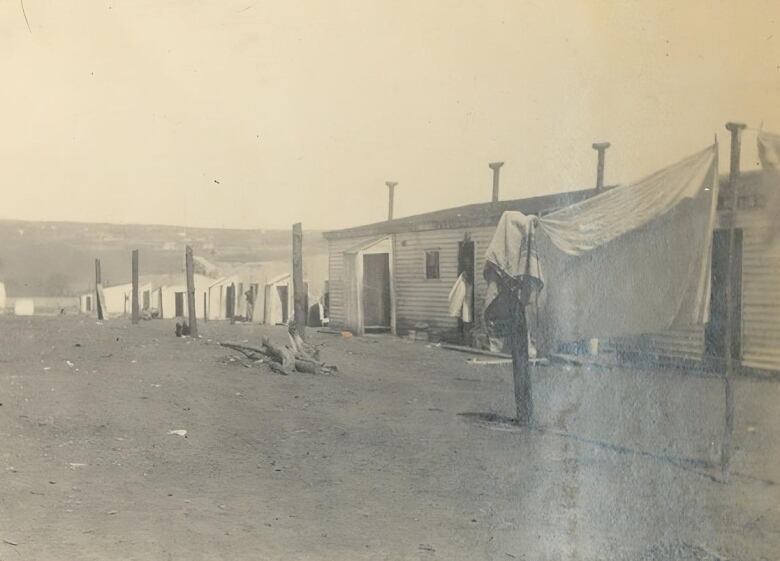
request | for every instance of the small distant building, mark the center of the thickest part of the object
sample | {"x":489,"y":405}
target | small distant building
{"x":87,"y":303}
{"x":227,"y":298}
{"x":273,"y":298}
{"x":24,"y":307}
{"x":169,"y":295}
{"x":118,"y":299}
{"x":42,"y":305}
{"x":162,"y":295}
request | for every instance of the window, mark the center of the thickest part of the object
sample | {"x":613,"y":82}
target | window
{"x":432,"y":264}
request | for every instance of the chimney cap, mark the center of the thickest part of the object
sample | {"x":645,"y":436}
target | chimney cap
{"x":391,"y":183}
{"x":732,"y":126}
{"x":601,"y":145}
{"x":495,"y":165}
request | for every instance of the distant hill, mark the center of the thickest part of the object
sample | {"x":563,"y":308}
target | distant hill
{"x":57,"y":258}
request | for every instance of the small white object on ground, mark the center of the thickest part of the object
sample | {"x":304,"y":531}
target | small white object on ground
{"x":178,"y":432}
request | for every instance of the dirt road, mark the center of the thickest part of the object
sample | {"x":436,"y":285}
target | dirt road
{"x":401,"y":456}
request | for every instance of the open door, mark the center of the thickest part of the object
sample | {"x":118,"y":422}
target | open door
{"x":466,"y":266}
{"x":179,"y":304}
{"x":230,"y":301}
{"x":283,"y":292}
{"x":369,"y":302}
{"x":376,"y":292}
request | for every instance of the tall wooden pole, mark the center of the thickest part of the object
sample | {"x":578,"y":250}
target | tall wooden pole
{"x":98,"y":289}
{"x":193,"y":316}
{"x":732,"y":366}
{"x":135,"y":305}
{"x":520,"y":365}
{"x":299,"y":290}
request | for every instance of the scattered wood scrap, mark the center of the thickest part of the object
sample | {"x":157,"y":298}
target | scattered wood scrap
{"x":566,"y":359}
{"x":503,"y":361}
{"x":297,"y":357}
{"x":474,"y":351}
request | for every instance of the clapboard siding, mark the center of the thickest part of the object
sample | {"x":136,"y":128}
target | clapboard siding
{"x":421,"y":300}
{"x":687,"y":343}
{"x":336,"y":249}
{"x":760,"y":300}
{"x":760,"y":307}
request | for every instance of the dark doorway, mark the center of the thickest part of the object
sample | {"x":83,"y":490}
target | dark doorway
{"x":147,"y":299}
{"x":715,"y":332}
{"x":466,"y":265}
{"x":179,"y":304}
{"x":230,"y":302}
{"x":376,"y":292}
{"x":284,"y":298}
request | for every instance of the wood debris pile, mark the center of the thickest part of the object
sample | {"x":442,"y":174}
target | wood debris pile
{"x":298,"y":356}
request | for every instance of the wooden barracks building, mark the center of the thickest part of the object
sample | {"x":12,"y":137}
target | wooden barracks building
{"x":396,"y":276}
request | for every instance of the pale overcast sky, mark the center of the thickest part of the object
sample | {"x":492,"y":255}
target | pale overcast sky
{"x":129,"y":111}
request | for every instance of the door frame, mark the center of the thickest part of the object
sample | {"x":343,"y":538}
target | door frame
{"x":389,"y":302}
{"x":467,"y":240}
{"x":353,"y":261}
{"x":176,"y":307}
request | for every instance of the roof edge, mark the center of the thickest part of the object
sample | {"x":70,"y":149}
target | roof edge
{"x":473,"y":215}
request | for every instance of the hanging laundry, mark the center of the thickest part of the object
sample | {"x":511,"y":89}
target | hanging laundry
{"x":632,"y":260}
{"x":769,"y":155}
{"x":462,"y":299}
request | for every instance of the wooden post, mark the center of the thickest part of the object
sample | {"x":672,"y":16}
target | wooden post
{"x":732,"y":366}
{"x":205,"y":307}
{"x":520,"y":365}
{"x":135,"y":305}
{"x":193,"y":316}
{"x":98,"y":286}
{"x":299,"y":290}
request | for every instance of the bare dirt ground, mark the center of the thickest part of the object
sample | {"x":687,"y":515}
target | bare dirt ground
{"x":378,"y":462}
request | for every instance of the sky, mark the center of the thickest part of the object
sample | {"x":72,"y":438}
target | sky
{"x":255,"y":114}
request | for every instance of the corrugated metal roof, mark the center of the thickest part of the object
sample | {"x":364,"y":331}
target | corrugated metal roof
{"x":488,"y":214}
{"x":469,"y":216}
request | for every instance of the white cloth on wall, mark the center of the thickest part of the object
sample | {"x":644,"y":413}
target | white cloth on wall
{"x":461,"y":299}
{"x":769,"y":155}
{"x":632,"y":260}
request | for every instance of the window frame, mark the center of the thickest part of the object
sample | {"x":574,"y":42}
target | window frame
{"x":432,"y":251}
